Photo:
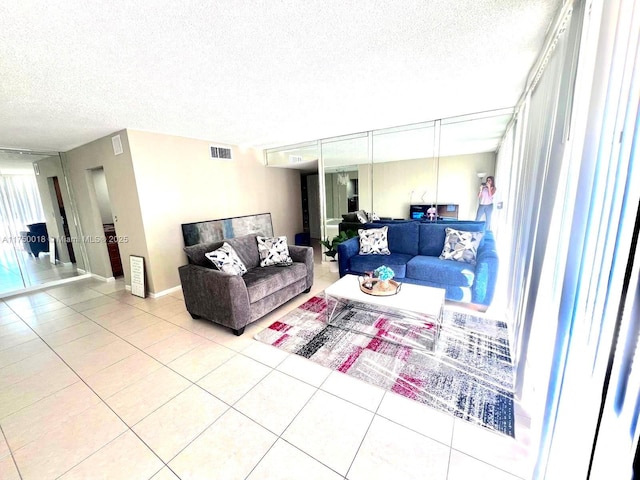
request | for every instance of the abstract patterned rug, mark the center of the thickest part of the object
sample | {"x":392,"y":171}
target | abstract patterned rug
{"x":469,"y":375}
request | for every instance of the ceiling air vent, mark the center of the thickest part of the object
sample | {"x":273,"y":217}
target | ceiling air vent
{"x":220,"y":153}
{"x":295,"y":159}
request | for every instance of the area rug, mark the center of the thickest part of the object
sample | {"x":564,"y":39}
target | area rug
{"x":469,"y":374}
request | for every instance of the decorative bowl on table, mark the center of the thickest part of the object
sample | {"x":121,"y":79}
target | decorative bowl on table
{"x":379,"y":282}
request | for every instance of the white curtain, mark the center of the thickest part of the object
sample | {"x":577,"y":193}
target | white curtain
{"x":538,"y":152}
{"x":21,"y":204}
{"x":594,"y":385}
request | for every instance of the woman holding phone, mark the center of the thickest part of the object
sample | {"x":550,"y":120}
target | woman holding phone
{"x":485,"y":198}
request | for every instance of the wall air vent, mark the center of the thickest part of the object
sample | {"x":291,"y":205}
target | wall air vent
{"x":220,"y":153}
{"x":116,"y":142}
{"x":293,"y":159}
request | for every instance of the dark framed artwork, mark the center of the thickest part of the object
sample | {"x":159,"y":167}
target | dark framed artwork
{"x":217,"y":230}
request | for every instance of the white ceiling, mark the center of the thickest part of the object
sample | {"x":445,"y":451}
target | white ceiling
{"x":18,"y":162}
{"x":256,"y":73}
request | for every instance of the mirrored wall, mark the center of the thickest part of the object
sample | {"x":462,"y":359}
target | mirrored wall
{"x":37,"y":222}
{"x":405,"y":172}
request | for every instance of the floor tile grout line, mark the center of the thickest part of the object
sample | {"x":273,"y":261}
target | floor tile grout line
{"x":153,"y":411}
{"x":516,"y":476}
{"x":279,"y":436}
{"x":229,"y":407}
{"x":108,"y":406}
{"x":450,"y":452}
{"x":236,"y":352}
{"x":11,"y":452}
{"x":375,"y":414}
{"x":355,"y":455}
{"x":450,"y":447}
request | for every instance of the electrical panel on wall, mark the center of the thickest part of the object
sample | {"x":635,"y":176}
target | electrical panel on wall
{"x":220,"y":153}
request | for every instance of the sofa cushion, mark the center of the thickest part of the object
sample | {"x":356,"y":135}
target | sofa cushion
{"x":402,"y":236}
{"x":247,"y":248}
{"x":461,"y":246}
{"x":273,"y":251}
{"x":262,"y":282}
{"x":226,"y":260}
{"x":432,"y":235}
{"x":447,"y":272}
{"x":368,"y":263}
{"x":373,"y":241}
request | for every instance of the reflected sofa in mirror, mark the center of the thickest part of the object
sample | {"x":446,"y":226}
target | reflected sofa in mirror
{"x":405,"y":172}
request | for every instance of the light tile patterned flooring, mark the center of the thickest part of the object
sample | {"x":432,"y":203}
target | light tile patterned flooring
{"x":97,"y":383}
{"x":36,"y":270}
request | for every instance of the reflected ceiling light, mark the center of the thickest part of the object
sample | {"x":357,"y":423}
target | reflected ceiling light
{"x":343,"y":178}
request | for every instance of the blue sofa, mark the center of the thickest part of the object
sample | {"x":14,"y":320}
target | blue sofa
{"x":415,"y":247}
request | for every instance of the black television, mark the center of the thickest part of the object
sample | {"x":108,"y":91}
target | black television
{"x":417,"y":212}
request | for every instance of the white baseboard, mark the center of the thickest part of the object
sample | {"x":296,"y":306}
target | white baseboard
{"x":165,"y":292}
{"x":158,"y":294}
{"x":103,"y":279}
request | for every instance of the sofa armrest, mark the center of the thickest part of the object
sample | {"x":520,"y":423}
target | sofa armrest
{"x":346,"y":250}
{"x":217,"y":296}
{"x":486,"y":274}
{"x":304,"y":255}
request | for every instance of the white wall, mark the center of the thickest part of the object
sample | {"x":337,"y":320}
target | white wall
{"x":396,"y":185}
{"x":123,"y":194}
{"x":178,"y":183}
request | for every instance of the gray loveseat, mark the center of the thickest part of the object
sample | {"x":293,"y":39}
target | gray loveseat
{"x":235,"y":301}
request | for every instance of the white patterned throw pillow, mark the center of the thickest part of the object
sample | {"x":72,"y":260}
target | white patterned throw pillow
{"x":227,"y":260}
{"x":273,"y":251}
{"x":374,"y":241}
{"x":461,"y":246}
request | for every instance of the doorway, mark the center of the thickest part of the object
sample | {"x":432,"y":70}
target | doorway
{"x":107,"y":220}
{"x":63,"y":226}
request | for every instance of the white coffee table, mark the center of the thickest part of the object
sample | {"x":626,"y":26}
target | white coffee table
{"x":415,"y":312}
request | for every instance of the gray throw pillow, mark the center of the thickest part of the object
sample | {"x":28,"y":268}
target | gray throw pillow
{"x":273,"y":251}
{"x":374,"y":241}
{"x":227,"y":260}
{"x":461,"y":246}
{"x":350,"y":217}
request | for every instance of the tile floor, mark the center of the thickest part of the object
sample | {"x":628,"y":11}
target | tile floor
{"x":35,"y":271}
{"x":97,"y":383}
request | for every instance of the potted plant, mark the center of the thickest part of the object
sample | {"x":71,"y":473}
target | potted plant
{"x":332,"y":247}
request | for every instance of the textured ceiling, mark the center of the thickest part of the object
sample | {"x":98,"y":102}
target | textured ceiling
{"x":260,"y":73}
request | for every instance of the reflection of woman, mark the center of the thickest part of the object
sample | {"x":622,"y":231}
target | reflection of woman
{"x":485,"y":197}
